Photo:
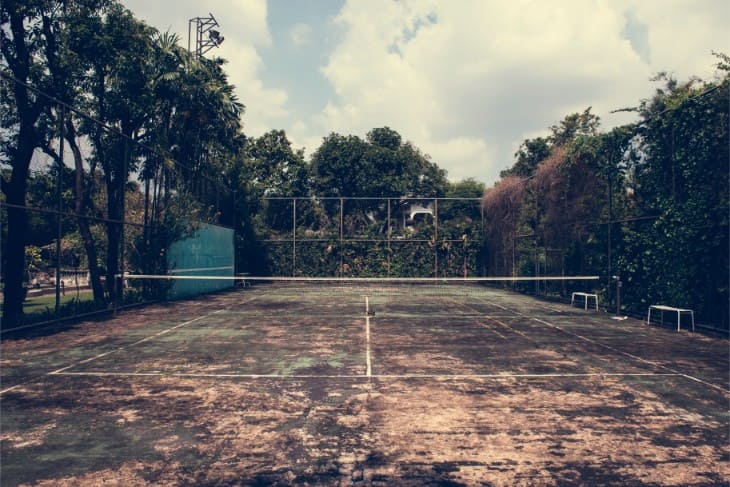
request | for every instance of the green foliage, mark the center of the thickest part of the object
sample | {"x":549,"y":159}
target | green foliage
{"x":382,"y":166}
{"x":33,"y":259}
{"x":96,"y":56}
{"x":344,"y":198}
{"x":574,"y":125}
{"x":529,"y":155}
{"x":532,"y":152}
{"x":680,"y":172}
{"x":647,"y":202}
{"x":70,"y":307}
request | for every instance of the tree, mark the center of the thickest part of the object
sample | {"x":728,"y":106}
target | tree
{"x":67,"y":76}
{"x":678,"y":254}
{"x":27,"y":46}
{"x":574,"y":125}
{"x":194,"y":131}
{"x":117,"y":49}
{"x":529,"y":155}
{"x":384,"y":137}
{"x":350,"y":166}
{"x":502,"y":205}
{"x":647,"y":202}
{"x":533,"y":151}
{"x":465,"y":206}
{"x":271,"y":168}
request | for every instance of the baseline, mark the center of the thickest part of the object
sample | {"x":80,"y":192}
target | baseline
{"x":501,"y":376}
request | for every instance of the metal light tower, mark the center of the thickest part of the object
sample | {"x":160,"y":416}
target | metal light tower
{"x":206,"y":37}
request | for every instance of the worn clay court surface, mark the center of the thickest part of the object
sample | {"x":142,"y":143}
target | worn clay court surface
{"x":258,"y":387}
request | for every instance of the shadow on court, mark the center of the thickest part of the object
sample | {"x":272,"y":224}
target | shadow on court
{"x":265,"y":388}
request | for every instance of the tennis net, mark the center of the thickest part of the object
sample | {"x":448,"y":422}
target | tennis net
{"x":370,"y":286}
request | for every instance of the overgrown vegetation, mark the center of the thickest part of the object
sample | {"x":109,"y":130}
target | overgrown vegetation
{"x":646,"y":202}
{"x":153,"y":143}
{"x":126,"y":102}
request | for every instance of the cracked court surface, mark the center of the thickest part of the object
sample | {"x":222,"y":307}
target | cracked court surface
{"x":265,"y":386}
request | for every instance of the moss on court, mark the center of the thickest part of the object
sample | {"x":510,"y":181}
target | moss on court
{"x":494,"y":389}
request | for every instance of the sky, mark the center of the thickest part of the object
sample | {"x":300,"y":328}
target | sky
{"x":466,"y":81}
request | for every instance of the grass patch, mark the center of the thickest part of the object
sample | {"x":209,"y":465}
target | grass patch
{"x":48,"y":301}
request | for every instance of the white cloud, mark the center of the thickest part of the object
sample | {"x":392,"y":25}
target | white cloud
{"x":467,"y":81}
{"x":244,"y":25}
{"x":265,"y":107}
{"x":462,"y":156}
{"x":243,"y":20}
{"x":682,"y":33}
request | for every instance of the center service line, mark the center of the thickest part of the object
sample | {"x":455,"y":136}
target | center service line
{"x":368,"y":362}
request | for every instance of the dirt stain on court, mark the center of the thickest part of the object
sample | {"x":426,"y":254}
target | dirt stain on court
{"x":324,"y":422}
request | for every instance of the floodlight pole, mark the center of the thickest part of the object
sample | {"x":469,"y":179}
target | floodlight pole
{"x":204,"y":25}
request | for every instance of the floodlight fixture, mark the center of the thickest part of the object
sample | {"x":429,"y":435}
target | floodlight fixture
{"x":215,"y":37}
{"x":203,"y":42}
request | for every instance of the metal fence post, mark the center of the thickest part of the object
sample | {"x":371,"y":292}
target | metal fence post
{"x":59,"y":209}
{"x":294,"y":239}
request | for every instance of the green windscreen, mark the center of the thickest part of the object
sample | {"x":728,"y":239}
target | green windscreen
{"x":209,"y":252}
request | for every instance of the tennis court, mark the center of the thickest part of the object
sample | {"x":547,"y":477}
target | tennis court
{"x":377,"y":383}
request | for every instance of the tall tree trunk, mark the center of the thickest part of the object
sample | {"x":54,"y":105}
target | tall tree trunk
{"x":19,"y":58}
{"x":14,"y":258}
{"x":114,"y":233}
{"x":116,"y":179}
{"x":82,"y":203}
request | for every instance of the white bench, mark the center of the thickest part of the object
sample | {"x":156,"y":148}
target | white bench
{"x":584,"y":296}
{"x":679,"y":312}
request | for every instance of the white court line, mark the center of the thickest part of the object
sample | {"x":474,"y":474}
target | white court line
{"x":368,"y":361}
{"x":91,"y":359}
{"x":11,"y":388}
{"x":672,"y":371}
{"x":635,"y":357}
{"x":360,"y":376}
{"x":480,"y":321}
{"x":151,"y":337}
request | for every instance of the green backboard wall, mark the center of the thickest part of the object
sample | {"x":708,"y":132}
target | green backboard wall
{"x":209,"y":252}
